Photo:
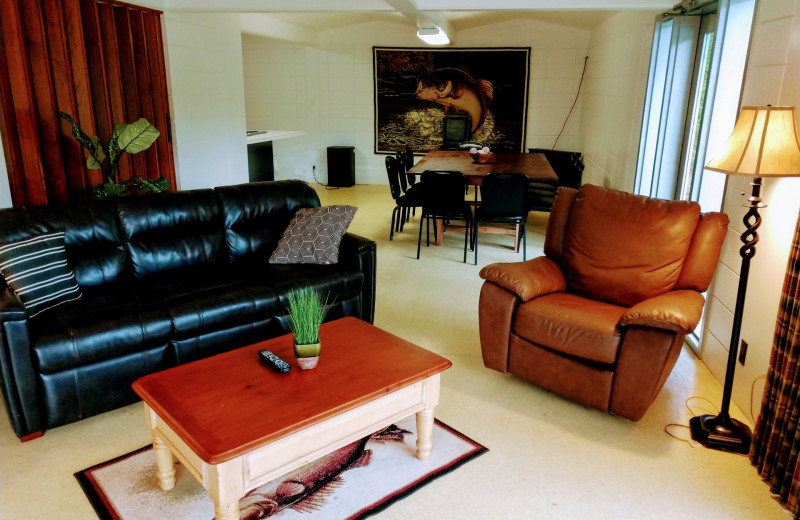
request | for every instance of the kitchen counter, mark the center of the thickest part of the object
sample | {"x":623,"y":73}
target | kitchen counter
{"x":261,"y":136}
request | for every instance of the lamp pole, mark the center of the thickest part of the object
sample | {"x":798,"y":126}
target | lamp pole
{"x":720,"y":431}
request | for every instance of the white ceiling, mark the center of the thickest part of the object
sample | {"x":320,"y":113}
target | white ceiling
{"x":315,"y":15}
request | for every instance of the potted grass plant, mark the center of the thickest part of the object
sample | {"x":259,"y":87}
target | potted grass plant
{"x":307,"y":310}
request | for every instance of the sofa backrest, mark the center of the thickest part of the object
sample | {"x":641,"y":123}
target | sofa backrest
{"x":93,"y":242}
{"x":619,"y":247}
{"x":172,"y":232}
{"x":256,"y":214}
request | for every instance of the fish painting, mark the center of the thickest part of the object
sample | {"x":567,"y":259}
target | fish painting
{"x":307,"y":488}
{"x":454,"y":88}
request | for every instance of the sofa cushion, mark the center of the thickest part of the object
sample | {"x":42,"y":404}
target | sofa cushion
{"x":173,"y":234}
{"x":98,"y":328}
{"x":37,"y":271}
{"x":603,"y":253}
{"x":313,"y":236}
{"x":208,"y":305}
{"x":92,"y":239}
{"x":334,"y":283}
{"x":572,"y":325}
{"x":256,"y":215}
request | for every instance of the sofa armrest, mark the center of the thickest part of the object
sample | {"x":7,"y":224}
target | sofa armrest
{"x":17,"y":374}
{"x":528,"y":279}
{"x":11,"y":307}
{"x":359,"y":253}
{"x":678,"y":311}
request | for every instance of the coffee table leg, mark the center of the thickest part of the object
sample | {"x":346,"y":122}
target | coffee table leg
{"x":165,"y":464}
{"x":227,"y":511}
{"x":225,"y":486}
{"x":424,"y":432}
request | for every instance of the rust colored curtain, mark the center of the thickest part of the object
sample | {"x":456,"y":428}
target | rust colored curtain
{"x":776,"y":439}
{"x":100,"y":61}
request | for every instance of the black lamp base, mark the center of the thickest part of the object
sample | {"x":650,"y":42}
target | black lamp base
{"x":720,"y":432}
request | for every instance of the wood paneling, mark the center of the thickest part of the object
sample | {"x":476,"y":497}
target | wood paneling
{"x":100,"y":61}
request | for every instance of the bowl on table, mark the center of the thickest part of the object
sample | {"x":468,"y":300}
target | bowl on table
{"x":482,"y":158}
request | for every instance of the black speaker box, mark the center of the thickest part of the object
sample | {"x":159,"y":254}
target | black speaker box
{"x":341,"y":166}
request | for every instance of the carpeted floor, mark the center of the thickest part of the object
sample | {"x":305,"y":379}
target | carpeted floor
{"x":549,"y":458}
{"x":355,"y":481}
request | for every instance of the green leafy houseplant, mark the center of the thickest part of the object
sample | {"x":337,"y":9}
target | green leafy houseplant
{"x":307,"y":310}
{"x":127,"y":137}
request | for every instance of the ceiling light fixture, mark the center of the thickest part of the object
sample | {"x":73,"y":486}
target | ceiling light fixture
{"x":433,"y":36}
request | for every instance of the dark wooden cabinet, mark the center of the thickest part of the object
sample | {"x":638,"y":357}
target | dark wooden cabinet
{"x":100,"y":61}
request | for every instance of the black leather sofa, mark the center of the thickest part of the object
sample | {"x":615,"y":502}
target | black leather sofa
{"x":166,"y":279}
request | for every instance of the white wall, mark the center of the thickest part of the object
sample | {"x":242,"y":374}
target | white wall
{"x":327,"y":90}
{"x":5,"y":189}
{"x":772,"y":77}
{"x":615,"y":85}
{"x":204,"y":63}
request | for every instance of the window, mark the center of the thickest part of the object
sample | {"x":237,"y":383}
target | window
{"x":688,"y":114}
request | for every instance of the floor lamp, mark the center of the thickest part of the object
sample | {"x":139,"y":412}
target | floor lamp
{"x":764,"y":143}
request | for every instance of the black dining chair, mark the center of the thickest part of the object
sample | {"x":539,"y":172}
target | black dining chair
{"x":443,"y":198}
{"x":408,"y":162}
{"x":401,"y":166}
{"x":403,"y":201}
{"x":568,"y":166}
{"x":466,"y":146}
{"x":504,"y":197}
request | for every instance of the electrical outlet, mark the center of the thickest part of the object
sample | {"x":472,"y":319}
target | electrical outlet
{"x":742,"y":352}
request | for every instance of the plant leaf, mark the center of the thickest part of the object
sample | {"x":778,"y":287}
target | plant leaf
{"x":90,"y":143}
{"x":109,"y":189}
{"x":136,"y":136}
{"x":154,"y":185}
{"x":93,"y":164}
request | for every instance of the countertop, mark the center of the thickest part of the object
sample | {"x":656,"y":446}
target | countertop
{"x":272,"y":135}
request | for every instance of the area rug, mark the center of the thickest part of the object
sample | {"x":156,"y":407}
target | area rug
{"x":355,"y":481}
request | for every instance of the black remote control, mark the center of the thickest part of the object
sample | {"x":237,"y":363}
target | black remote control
{"x":273,"y":361}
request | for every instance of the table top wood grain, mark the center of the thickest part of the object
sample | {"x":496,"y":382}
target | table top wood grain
{"x":534,"y":165}
{"x":229,"y":404}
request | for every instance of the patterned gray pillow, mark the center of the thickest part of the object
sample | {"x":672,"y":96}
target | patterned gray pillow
{"x":313,"y":236}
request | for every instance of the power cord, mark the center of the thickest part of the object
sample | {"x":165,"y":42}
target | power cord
{"x":682,"y":432}
{"x":314,"y":174}
{"x":672,"y":429}
{"x":585,"y":60}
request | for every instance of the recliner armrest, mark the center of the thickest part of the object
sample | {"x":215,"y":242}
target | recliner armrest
{"x":527,"y":279}
{"x":676,"y":310}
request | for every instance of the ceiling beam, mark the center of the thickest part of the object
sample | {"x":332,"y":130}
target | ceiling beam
{"x":423,"y":19}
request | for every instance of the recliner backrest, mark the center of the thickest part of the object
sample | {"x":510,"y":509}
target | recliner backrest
{"x":619,"y":247}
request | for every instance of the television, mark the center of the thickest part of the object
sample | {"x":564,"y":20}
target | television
{"x":455,"y":129}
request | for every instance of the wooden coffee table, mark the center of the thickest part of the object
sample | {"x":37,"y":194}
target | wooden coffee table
{"x":235,"y":424}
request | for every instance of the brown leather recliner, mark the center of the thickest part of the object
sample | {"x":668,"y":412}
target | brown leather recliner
{"x":601,"y":318}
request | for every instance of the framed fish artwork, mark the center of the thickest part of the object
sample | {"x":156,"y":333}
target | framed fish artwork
{"x":415,"y":88}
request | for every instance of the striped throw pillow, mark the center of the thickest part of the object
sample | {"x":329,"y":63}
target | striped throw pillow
{"x":36,"y":269}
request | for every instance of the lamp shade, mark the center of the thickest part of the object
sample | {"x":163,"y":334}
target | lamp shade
{"x":764,"y":143}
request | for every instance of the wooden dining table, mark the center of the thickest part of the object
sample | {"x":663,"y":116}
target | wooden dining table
{"x":534,"y":165}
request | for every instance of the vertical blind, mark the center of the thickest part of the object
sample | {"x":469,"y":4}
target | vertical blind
{"x":100,"y":61}
{"x":666,"y":103}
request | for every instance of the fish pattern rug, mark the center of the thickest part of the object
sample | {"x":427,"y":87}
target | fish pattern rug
{"x":355,"y":481}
